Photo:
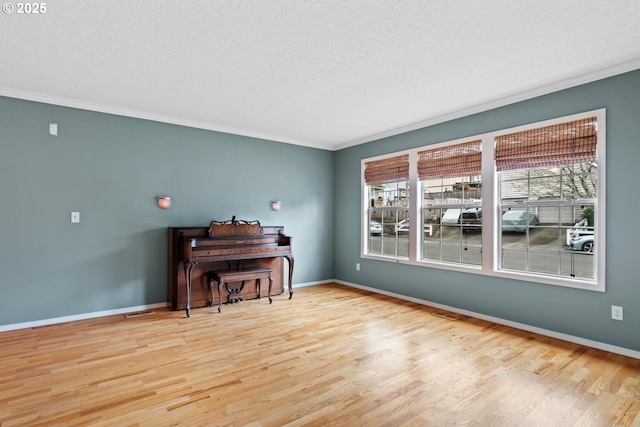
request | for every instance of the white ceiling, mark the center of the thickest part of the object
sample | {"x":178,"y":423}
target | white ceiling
{"x":321,"y":73}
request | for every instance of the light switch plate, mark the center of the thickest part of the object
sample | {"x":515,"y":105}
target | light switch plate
{"x":75,"y":217}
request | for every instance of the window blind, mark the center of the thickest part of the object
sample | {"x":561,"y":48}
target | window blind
{"x":385,"y":171}
{"x":566,"y":143}
{"x":457,"y":160}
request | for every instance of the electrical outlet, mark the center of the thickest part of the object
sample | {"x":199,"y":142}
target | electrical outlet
{"x":75,"y":217}
{"x":616,"y":312}
{"x":357,"y":266}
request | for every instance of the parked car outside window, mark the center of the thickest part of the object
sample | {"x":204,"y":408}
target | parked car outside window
{"x":518,"y":221}
{"x":471,"y":219}
{"x":375,"y":227}
{"x":450,"y":217}
{"x":583,"y":243}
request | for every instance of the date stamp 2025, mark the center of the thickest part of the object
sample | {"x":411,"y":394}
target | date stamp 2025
{"x":24,"y":8}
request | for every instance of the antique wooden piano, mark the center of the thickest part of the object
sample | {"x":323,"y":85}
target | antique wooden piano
{"x":194,"y":253}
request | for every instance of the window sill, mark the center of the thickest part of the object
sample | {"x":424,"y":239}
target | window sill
{"x":587,"y":285}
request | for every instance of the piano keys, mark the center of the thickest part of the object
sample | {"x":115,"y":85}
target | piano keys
{"x":224,"y":245}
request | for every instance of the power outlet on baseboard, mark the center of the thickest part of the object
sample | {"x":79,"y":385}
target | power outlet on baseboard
{"x":616,"y":312}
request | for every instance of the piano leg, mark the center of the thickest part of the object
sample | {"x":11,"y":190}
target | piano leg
{"x":290,"y":259}
{"x":270,"y":284}
{"x":187,"y":273}
{"x":220,"y":284}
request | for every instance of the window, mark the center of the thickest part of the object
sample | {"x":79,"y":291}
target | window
{"x":548,"y":191}
{"x":451,"y":214}
{"x":525,"y":203}
{"x":387,"y":187}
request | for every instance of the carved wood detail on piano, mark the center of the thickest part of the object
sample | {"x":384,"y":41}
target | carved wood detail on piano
{"x":195,"y":251}
{"x":234,"y":227}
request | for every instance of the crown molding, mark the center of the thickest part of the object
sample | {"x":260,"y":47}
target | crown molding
{"x":555,"y":87}
{"x":126,"y":112}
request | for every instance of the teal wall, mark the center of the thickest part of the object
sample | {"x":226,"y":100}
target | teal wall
{"x":580,"y":313}
{"x":110,"y":168}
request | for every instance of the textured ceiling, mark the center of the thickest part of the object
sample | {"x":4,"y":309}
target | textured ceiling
{"x":322,"y":73}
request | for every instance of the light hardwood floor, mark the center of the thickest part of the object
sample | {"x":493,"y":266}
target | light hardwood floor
{"x":331,"y":356}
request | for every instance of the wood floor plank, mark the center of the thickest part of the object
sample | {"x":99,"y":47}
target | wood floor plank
{"x":331,"y":356}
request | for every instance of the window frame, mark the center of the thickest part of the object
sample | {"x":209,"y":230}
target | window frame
{"x":365,"y":239}
{"x":491,"y":226}
{"x":462,"y":205}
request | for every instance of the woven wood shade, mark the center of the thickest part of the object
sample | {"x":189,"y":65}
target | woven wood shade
{"x":385,"y":171}
{"x":567,"y":143}
{"x":457,"y":160}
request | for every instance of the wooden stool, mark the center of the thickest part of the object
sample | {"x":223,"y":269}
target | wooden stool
{"x":223,"y":277}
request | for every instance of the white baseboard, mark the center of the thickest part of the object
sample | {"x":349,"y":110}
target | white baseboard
{"x":321,"y":282}
{"x":553,"y":334}
{"x":83,"y":316}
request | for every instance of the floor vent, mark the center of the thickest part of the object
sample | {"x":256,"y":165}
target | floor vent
{"x":138,"y":314}
{"x":448,"y":316}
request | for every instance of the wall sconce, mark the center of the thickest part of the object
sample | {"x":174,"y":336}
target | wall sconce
{"x":275,"y":206}
{"x":164,"y":202}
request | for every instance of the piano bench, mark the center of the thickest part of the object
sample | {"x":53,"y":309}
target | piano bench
{"x":224,"y":277}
